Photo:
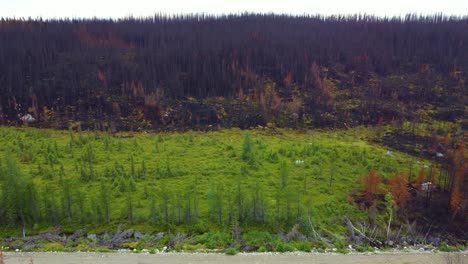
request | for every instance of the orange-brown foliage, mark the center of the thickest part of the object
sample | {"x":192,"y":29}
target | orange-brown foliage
{"x":455,"y":200}
{"x":108,"y":40}
{"x":421,"y":178}
{"x":101,"y":76}
{"x":398,"y":186}
{"x":288,"y":79}
{"x":434,"y":175}
{"x":349,"y":199}
{"x":371,"y":186}
{"x":241,"y":93}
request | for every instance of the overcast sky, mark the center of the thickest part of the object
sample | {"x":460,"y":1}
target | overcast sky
{"x":122,"y":8}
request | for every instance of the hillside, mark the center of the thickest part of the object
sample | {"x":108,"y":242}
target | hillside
{"x":253,"y":132}
{"x":200,"y":71}
{"x":263,"y":182}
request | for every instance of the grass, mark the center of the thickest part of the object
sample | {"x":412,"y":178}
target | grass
{"x":231,"y":251}
{"x":194,"y":182}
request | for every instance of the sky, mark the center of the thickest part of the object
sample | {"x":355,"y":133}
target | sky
{"x":137,"y":8}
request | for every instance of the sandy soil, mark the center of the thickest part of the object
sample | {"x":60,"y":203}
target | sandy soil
{"x":254,"y":258}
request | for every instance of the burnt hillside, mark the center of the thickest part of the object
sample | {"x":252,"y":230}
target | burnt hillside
{"x":236,"y":70}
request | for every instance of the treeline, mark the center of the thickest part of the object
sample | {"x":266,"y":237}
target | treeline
{"x":235,"y":70}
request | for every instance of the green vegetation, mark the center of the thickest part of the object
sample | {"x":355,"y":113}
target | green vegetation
{"x":227,"y":189}
{"x":231,"y":251}
{"x":447,"y":248}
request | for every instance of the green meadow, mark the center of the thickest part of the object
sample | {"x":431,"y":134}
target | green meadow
{"x":263,"y":181}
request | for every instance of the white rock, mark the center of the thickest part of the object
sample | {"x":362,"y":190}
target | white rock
{"x":28,"y":118}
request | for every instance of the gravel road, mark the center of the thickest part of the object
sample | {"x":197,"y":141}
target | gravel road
{"x":254,"y":258}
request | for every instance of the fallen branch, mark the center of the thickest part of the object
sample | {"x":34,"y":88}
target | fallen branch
{"x":373,"y":242}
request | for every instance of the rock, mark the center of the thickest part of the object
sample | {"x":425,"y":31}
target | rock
{"x":77,"y":235}
{"x":389,"y":242}
{"x":246,"y":248}
{"x":28,"y":118}
{"x":119,"y":236}
{"x":51,"y":235}
{"x":156,"y":238}
{"x":435,"y":241}
{"x":137,"y":235}
{"x":177,"y":238}
{"x":30,"y":246}
{"x":93,"y":238}
{"x":145,"y":251}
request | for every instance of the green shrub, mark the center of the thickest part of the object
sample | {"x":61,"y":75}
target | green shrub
{"x":319,"y":245}
{"x":339,"y":244}
{"x":50,"y":246}
{"x":447,"y":248}
{"x":257,"y":238}
{"x":364,"y":248}
{"x":280,"y":246}
{"x":305,"y":246}
{"x":262,"y":249}
{"x":231,"y":251}
{"x":191,"y":248}
{"x":215,"y":240}
{"x":103,"y":250}
{"x":17,"y":244}
{"x":343,"y":250}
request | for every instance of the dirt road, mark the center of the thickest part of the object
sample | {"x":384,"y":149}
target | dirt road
{"x":267,"y":258}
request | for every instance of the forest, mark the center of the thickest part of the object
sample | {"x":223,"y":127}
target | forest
{"x":248,"y":132}
{"x":201,"y":71}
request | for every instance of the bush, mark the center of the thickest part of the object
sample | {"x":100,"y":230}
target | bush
{"x":257,"y":238}
{"x":231,"y":251}
{"x":215,"y":240}
{"x":262,"y":249}
{"x":280,"y":246}
{"x":447,"y":248}
{"x":305,"y":246}
{"x":320,"y":245}
{"x":51,"y":246}
{"x":343,"y":251}
{"x":364,"y":248}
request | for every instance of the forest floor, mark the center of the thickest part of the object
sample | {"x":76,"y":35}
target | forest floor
{"x":397,"y":257}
